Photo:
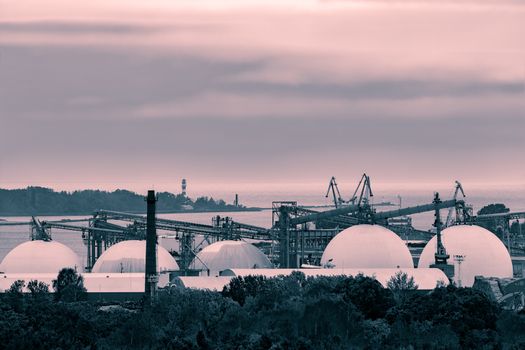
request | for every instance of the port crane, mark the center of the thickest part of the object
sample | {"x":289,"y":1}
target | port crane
{"x":332,"y":186}
{"x":364,"y":190}
{"x":361,"y":195}
{"x":458,"y":190}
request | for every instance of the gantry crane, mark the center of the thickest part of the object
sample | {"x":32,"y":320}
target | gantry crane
{"x":457,"y":191}
{"x":364,"y":190}
{"x":332,"y":186}
{"x":361,"y":195}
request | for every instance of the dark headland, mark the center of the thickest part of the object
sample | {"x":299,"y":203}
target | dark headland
{"x":46,"y":201}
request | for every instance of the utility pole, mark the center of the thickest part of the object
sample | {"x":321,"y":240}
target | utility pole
{"x":151,"y":277}
{"x":459,"y":259}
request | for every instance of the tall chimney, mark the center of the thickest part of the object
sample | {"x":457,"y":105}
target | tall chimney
{"x":152,"y":278}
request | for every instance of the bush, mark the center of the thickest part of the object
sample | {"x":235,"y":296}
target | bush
{"x":69,"y":286}
{"x":286,"y":312}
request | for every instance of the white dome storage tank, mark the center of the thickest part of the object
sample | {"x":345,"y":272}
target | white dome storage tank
{"x":40,"y":257}
{"x":230,"y":254}
{"x":367,"y":246}
{"x":130,"y":256}
{"x":484,"y":253}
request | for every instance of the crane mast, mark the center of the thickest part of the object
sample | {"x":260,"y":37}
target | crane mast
{"x":459,"y":189}
{"x":441,"y":256}
{"x":364,"y":189}
{"x":332,"y":186}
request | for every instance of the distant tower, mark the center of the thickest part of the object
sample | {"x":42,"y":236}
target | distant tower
{"x":184,"y":185}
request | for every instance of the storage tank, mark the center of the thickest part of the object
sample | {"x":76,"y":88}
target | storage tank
{"x":367,"y":246}
{"x":129,"y":256}
{"x":40,"y":257}
{"x":230,"y":254}
{"x":482,"y":252}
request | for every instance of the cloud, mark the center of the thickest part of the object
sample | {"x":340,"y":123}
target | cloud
{"x":277,"y":106}
{"x":100,"y":90}
{"x":300,"y":43}
{"x":96,"y":84}
{"x":69,"y":27}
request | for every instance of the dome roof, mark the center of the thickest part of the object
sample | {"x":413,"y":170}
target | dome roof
{"x":40,"y":257}
{"x":484,"y":253}
{"x":230,"y":254}
{"x":367,"y":246}
{"x":130,"y":256}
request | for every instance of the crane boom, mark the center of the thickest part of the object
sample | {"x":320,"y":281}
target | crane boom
{"x":364,"y":189}
{"x":458,"y":189}
{"x":332,"y":186}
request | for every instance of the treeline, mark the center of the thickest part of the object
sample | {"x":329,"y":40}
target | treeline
{"x":45,"y":201}
{"x":292,"y":312}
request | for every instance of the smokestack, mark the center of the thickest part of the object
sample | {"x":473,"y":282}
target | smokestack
{"x":150,"y":290}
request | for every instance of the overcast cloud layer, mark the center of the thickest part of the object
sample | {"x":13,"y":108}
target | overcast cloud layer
{"x":133,"y":93}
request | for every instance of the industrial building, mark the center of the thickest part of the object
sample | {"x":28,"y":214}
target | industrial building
{"x":129,"y":257}
{"x":366,"y":246}
{"x":474,"y":250}
{"x":40,"y":256}
{"x":353,"y":238}
{"x":228,"y":254}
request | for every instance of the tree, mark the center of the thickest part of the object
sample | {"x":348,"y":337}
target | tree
{"x":69,"y":286}
{"x":16,"y":288}
{"x":240,"y":288}
{"x":14,"y":295}
{"x":401,"y":284}
{"x":38,"y":288}
{"x":462,"y":309}
{"x":40,"y":201}
{"x":368,"y":295}
{"x":495,"y":225}
{"x":494,"y":208}
{"x":401,"y":281}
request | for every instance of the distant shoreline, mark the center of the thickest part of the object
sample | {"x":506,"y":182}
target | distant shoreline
{"x":249,"y":209}
{"x":41,"y":201}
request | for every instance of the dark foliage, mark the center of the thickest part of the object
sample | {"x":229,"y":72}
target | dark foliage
{"x":45,"y":201}
{"x":37,"y":288}
{"x":290,"y":312}
{"x":495,"y":208}
{"x":69,"y":286}
{"x":368,"y":295}
{"x":493,"y":225}
{"x":242,"y":287}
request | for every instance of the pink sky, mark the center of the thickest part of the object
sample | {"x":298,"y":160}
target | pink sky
{"x":132,"y":93}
